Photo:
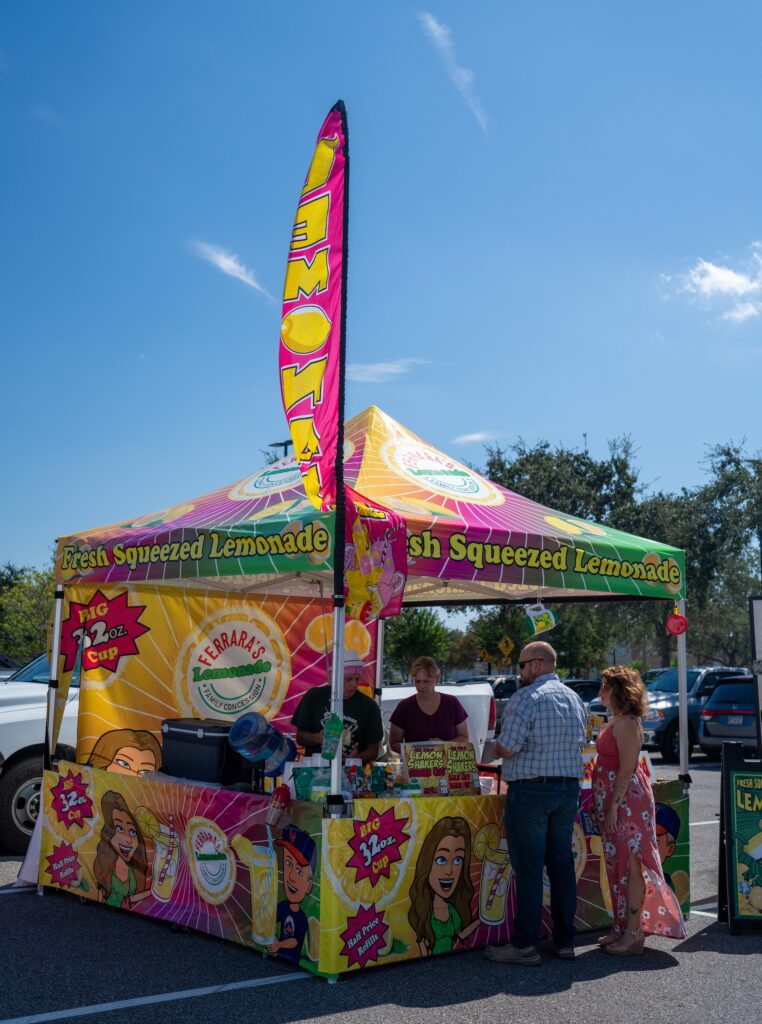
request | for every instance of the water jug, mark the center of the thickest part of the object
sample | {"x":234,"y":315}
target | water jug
{"x":256,"y":739}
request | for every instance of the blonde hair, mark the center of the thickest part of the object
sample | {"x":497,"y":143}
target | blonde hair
{"x":628,"y":691}
{"x":427,"y":665}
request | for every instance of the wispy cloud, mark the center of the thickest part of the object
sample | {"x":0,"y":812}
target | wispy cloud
{"x":440,"y":36}
{"x":48,"y":116}
{"x":733,"y":294}
{"x":230,"y":264}
{"x":479,"y":437}
{"x":380,"y":373}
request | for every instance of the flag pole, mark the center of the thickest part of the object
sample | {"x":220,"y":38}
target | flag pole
{"x":339,"y":543}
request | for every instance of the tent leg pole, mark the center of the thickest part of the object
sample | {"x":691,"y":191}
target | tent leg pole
{"x":50,"y":715}
{"x":379,"y":660}
{"x":682,"y":685}
{"x":337,"y":691}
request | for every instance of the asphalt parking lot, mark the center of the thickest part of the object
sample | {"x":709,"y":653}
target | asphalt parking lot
{"x":66,"y":960}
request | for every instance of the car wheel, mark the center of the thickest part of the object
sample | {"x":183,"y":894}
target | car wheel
{"x":20,"y":803}
{"x":670,"y":745}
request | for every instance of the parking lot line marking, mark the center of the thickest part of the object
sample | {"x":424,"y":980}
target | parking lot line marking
{"x":160,"y":997}
{"x":701,"y":913}
{"x":714,"y":821}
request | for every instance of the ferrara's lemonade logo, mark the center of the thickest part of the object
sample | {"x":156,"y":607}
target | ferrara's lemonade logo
{"x":433,"y":471}
{"x":211,"y":862}
{"x":235,"y":661}
{"x":280,"y":476}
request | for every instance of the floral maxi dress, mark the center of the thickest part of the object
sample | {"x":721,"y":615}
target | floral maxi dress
{"x":635,"y":833}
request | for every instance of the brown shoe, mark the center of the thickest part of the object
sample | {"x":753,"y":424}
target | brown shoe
{"x":609,"y":937}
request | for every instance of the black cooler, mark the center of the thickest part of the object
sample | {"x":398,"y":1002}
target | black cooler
{"x":198,"y":749}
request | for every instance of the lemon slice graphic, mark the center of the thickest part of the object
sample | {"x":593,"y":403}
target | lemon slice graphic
{"x":147,"y":823}
{"x":487,"y":838}
{"x":341,"y":876}
{"x":319,"y":633}
{"x":357,"y":638}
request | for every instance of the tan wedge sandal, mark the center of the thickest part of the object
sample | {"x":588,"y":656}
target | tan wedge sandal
{"x":630,"y":944}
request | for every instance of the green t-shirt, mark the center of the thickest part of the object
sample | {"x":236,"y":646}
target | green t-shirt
{"x":445,"y":931}
{"x":362,"y":717}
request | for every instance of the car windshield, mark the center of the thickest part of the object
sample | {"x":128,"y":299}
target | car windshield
{"x":37,"y":671}
{"x":667,"y":681}
{"x":733,"y":692}
{"x":587,"y":691}
{"x":505,"y":688}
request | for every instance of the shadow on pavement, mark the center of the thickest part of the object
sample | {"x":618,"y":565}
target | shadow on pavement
{"x":715,"y":938}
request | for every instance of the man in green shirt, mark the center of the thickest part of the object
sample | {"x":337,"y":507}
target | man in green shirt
{"x":363,"y":730}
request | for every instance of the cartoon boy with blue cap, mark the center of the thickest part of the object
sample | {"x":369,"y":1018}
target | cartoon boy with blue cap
{"x":298,"y":869}
{"x":667,"y":831}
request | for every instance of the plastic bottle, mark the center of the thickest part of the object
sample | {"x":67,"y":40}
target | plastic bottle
{"x":256,"y":739}
{"x":333,"y":730}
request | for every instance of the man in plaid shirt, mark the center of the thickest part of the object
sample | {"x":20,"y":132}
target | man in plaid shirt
{"x":541,"y":742}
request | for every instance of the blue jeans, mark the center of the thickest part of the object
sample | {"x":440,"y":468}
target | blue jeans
{"x":539,"y":819}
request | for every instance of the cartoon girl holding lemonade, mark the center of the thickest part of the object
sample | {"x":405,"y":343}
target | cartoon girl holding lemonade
{"x":441,"y":893}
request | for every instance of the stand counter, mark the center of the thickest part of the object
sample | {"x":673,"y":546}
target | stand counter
{"x":400,"y":879}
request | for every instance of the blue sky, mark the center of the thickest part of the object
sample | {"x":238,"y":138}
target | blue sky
{"x":555,"y":231}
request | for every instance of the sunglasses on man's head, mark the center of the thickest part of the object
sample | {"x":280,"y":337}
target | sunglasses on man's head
{"x":528,"y":662}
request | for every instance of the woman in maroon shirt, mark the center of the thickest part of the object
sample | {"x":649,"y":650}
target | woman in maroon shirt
{"x":427,"y":715}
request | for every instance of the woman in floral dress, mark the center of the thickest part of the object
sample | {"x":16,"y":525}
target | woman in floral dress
{"x":643,"y":902}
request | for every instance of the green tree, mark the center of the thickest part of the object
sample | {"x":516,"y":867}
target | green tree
{"x":570,"y":481}
{"x":25,"y":611}
{"x":415,"y":632}
{"x":715,"y":523}
{"x":720,"y":631}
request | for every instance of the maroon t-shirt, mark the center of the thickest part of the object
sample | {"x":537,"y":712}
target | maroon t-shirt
{"x":419,"y":727}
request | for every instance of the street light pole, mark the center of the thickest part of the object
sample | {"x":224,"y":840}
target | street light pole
{"x":285,"y":445}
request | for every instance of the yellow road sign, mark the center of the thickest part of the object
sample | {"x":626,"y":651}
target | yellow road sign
{"x":506,"y":645}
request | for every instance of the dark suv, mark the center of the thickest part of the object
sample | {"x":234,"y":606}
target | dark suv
{"x":660,"y":723}
{"x":730,"y":716}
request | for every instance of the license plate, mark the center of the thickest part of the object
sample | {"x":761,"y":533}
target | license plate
{"x":735,"y":719}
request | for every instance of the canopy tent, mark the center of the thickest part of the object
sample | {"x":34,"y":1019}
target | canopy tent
{"x":469,"y":540}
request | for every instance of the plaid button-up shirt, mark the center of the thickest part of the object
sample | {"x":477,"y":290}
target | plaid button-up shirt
{"x":544,"y":724}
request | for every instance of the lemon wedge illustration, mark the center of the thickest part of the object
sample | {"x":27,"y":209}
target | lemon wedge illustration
{"x":487,"y":838}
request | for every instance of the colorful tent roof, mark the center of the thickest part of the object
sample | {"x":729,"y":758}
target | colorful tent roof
{"x":468,"y":539}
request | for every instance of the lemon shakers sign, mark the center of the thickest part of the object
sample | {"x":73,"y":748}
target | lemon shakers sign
{"x":311,"y":336}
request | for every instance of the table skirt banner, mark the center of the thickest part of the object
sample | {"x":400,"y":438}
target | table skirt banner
{"x":401,"y":879}
{"x":190,"y":855}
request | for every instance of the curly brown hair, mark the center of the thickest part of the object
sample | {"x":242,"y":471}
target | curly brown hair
{"x":628,"y":691}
